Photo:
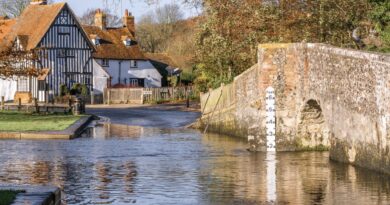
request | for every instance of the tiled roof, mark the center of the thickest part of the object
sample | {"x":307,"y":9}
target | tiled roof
{"x":6,"y":26}
{"x":33,"y":24}
{"x":162,"y":58}
{"x":111,"y":44}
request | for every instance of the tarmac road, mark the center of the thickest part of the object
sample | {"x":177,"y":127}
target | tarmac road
{"x":160,"y":116}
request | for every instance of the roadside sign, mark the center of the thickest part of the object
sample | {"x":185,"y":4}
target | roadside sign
{"x":148,"y":92}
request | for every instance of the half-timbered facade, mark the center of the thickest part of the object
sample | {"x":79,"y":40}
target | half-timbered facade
{"x":65,"y":52}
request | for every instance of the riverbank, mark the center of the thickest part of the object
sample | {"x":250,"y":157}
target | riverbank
{"x":26,"y":126}
{"x":44,"y":195}
{"x":12,"y":121}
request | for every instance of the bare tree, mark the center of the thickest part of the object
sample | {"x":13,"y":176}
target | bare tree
{"x":168,"y":14}
{"x":115,"y":4}
{"x":148,"y":33}
{"x":13,"y":8}
{"x":156,"y":27}
{"x":88,"y":18}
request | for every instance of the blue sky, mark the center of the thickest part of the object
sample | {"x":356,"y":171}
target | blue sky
{"x":137,"y":7}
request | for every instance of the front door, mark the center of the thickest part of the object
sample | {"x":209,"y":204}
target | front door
{"x":41,"y":91}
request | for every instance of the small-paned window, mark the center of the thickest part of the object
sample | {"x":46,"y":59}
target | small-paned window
{"x":127,"y":42}
{"x":133,"y":64}
{"x":137,"y":82}
{"x":63,"y":30}
{"x":105,"y":62}
{"x":70,"y":53}
{"x":61,"y":53}
{"x":23,"y":84}
{"x":87,"y":80}
{"x":96,"y":41}
{"x":65,"y":53}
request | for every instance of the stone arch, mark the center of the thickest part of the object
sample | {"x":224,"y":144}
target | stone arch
{"x":312,"y":130}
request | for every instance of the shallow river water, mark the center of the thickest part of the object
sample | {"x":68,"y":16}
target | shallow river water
{"x":122,"y":164}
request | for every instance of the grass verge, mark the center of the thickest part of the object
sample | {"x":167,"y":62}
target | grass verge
{"x":21,"y":122}
{"x":7,"y":196}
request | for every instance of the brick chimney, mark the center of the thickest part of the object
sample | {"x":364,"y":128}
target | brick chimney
{"x":38,"y":2}
{"x":100,"y":19}
{"x":128,"y":22}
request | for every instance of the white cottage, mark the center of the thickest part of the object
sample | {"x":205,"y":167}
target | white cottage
{"x":118,"y":60}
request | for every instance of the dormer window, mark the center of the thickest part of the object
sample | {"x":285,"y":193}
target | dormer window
{"x":126,"y":40}
{"x":95,"y":40}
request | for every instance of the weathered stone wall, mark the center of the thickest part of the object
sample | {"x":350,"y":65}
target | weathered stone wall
{"x":353,"y":88}
{"x":326,"y":97}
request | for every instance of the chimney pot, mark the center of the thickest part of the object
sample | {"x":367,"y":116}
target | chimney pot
{"x":100,"y":19}
{"x":128,"y":22}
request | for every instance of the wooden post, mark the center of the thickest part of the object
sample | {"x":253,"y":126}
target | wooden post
{"x":108,"y":96}
{"x":187,"y":97}
{"x":105,"y":96}
{"x":36,"y":105}
{"x":2,"y":102}
{"x":70,"y":105}
{"x":92,"y":98}
{"x":19,"y":104}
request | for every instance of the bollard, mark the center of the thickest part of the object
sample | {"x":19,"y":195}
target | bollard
{"x":187,"y":98}
{"x":19,"y":104}
{"x":2,"y":102}
{"x":76,"y":108}
{"x":70,"y":105}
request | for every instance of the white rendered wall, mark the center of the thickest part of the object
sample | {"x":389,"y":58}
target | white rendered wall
{"x":144,"y":70}
{"x":100,"y":78}
{"x":8,"y":89}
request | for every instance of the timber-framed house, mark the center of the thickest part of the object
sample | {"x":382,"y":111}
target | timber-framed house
{"x":65,"y":52}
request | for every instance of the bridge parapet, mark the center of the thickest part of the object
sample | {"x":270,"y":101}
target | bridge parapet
{"x":326,"y":98}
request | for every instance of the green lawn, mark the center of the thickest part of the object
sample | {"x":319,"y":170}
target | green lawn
{"x":7,"y":197}
{"x":19,"y":122}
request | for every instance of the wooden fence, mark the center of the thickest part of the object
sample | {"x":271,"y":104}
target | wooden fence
{"x":147,"y":95}
{"x":73,"y":106}
{"x":218,"y":99}
{"x":123,"y":95}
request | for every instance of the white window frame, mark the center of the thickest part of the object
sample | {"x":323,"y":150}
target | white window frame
{"x":106,"y":62}
{"x":133,"y":64}
{"x":127,"y":42}
{"x":96,"y":41}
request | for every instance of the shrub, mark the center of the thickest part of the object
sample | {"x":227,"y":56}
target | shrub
{"x":64,"y":90}
{"x":76,"y":89}
{"x":84,"y":90}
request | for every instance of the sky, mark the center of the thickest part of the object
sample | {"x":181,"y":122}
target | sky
{"x":137,"y":7}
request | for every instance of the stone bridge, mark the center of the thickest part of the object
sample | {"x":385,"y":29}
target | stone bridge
{"x":326,"y":98}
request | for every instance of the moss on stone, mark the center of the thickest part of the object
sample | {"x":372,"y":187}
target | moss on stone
{"x":8,"y":196}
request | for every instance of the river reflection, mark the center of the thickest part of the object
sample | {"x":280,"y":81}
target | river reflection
{"x":119,"y":164}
